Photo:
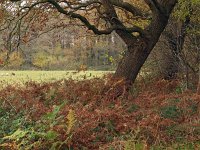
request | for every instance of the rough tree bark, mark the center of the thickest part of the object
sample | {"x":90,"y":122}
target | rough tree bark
{"x":176,"y":39}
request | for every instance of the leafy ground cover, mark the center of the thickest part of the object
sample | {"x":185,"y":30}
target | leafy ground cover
{"x":71,"y":114}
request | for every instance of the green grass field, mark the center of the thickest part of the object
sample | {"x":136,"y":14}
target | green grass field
{"x":20,"y":77}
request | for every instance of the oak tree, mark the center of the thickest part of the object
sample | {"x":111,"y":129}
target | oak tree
{"x":138,"y":23}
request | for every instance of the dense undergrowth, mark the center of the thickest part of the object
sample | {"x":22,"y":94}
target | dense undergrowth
{"x":79,"y":115}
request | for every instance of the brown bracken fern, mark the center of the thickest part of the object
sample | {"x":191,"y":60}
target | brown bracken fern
{"x":71,"y":117}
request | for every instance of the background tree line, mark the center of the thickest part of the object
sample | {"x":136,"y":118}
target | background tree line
{"x":63,"y":49}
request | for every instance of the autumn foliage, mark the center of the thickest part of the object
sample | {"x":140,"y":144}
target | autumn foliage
{"x":156,"y":114}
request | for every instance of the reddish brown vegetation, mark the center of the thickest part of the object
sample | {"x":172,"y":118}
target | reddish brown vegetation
{"x":100,"y":118}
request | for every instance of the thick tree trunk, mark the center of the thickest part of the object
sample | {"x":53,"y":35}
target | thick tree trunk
{"x":176,"y":38}
{"x":139,"y":49}
{"x":132,"y":61}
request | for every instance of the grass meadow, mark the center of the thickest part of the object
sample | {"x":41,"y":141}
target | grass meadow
{"x":21,"y":77}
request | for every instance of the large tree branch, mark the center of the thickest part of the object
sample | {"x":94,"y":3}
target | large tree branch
{"x":153,"y":5}
{"x":161,"y":6}
{"x":85,"y":21}
{"x":127,"y":6}
{"x":82,"y":4}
